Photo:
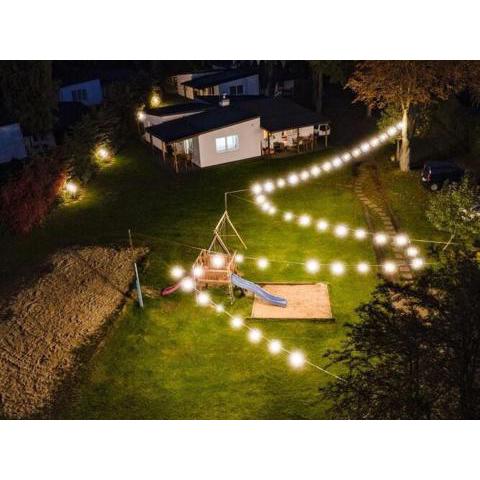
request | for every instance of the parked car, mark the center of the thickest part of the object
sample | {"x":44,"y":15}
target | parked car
{"x":435,"y":174}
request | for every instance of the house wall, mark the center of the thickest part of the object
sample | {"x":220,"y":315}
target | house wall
{"x":93,"y":89}
{"x":12,"y":145}
{"x":186,"y":77}
{"x":251,"y":86}
{"x":249,"y":135}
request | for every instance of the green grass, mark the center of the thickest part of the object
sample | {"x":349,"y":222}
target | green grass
{"x":174,"y":359}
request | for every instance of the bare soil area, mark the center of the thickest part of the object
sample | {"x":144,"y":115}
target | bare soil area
{"x":45,"y":323}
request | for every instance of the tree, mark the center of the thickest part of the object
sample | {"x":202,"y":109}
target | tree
{"x":415,"y":353}
{"x":336,"y":70}
{"x":455,"y":209}
{"x":28,"y":94}
{"x":408,"y":86}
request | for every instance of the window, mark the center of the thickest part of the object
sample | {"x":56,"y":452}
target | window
{"x":236,"y":90}
{"x":79,"y":95}
{"x":226,"y":144}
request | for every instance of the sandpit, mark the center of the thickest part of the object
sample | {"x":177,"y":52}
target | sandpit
{"x":305,"y":302}
{"x":44,"y":324}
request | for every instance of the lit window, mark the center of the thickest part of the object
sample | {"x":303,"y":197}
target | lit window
{"x":227,"y":144}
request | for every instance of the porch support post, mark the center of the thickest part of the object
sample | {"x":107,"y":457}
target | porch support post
{"x":298,"y":140}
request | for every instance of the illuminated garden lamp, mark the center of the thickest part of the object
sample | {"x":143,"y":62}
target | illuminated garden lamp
{"x":155,"y":100}
{"x":346,"y":157}
{"x":141,"y":116}
{"x":72,"y":188}
{"x":327,"y":166}
{"x":102,"y":153}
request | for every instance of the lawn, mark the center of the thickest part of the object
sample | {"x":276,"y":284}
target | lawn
{"x":174,"y":359}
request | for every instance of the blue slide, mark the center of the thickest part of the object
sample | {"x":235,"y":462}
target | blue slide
{"x":258,"y":290}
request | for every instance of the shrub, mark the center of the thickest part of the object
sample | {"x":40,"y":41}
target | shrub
{"x":28,"y":194}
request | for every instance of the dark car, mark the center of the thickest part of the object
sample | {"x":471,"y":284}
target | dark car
{"x":435,"y":174}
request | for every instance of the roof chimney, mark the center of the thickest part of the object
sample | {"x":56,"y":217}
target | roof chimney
{"x":224,"y":101}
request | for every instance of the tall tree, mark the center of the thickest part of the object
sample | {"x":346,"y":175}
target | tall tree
{"x":336,"y":70}
{"x":415,"y":353}
{"x":27,"y":92}
{"x":406,"y":86}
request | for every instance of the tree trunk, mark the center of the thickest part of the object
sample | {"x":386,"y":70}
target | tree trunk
{"x":318,"y":89}
{"x":405,"y":147}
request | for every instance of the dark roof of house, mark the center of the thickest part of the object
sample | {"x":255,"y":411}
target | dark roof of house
{"x":194,"y":125}
{"x":276,"y":114}
{"x":222,"y":76}
{"x":179,"y":108}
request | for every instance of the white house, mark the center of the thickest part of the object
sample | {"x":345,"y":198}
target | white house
{"x":224,"y":82}
{"x":88,"y":92}
{"x":12,"y":145}
{"x":229,"y":129}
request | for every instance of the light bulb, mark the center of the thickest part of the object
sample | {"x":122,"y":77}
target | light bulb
{"x":346,"y":157}
{"x":260,"y":199}
{"x":337,"y":162}
{"x":274,"y":346}
{"x":239,"y":258}
{"x":198,"y":271}
{"x":315,"y":171}
{"x":71,"y":187}
{"x":327,"y":166}
{"x":363,"y":267}
{"x":272,"y":210}
{"x":288,"y":216}
{"x":365,"y":147}
{"x":281,"y":183}
{"x":293,"y":179}
{"x":412,"y":251}
{"x":304,"y":220}
{"x":337,"y":268}
{"x":187,"y":284}
{"x":417,"y":263}
{"x":356,"y":152}
{"x":254,"y":335}
{"x":262,"y":263}
{"x":218,"y":261}
{"x":177,"y":272}
{"x":269,"y":186}
{"x":141,"y":116}
{"x":322,"y":225}
{"x":360,"y":234}
{"x":296,"y":359}
{"x":312,"y":266}
{"x":401,"y":240}
{"x":257,"y":188}
{"x":236,"y":322}
{"x":380,"y":238}
{"x":341,"y":231}
{"x":219,"y":308}
{"x":203,"y":298}
{"x":304,"y":175}
{"x":389,"y":267}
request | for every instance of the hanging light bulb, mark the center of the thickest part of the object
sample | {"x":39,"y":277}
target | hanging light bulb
{"x":360,"y":234}
{"x":374,"y":142}
{"x":392,"y":131}
{"x":260,"y":199}
{"x":337,"y":268}
{"x":187,"y":284}
{"x":322,"y":225}
{"x":304,"y":220}
{"x":417,"y":263}
{"x":327,"y":166}
{"x":254,"y":335}
{"x":219,"y":308}
{"x":269,"y":186}
{"x":363,"y":267}
{"x":337,"y":162}
{"x":272,"y":210}
{"x":177,"y":272}
{"x":262,"y":263}
{"x":383,"y":137}
{"x":400,"y":125}
{"x":341,"y":231}
{"x":141,"y":116}
{"x":236,"y":322}
{"x":312,"y":266}
{"x":315,"y":170}
{"x":257,"y":189}
{"x":218,"y":261}
{"x":356,"y":152}
{"x":239,"y":258}
{"x":389,"y":267}
{"x":304,"y":175}
{"x":203,"y":298}
{"x":281,"y":183}
{"x":296,"y":359}
{"x":288,"y":216}
{"x":365,"y":147}
{"x":274,"y":346}
{"x":412,"y":251}
{"x":380,"y":238}
{"x":265,"y":206}
{"x":346,"y":157}
{"x":293,"y":179}
{"x":401,"y":240}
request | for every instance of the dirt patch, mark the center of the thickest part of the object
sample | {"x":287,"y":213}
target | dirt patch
{"x":305,"y":302}
{"x":44,"y":324}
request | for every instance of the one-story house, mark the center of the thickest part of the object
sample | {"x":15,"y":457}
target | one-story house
{"x":221,"y":130}
{"x":224,"y":82}
{"x":88,"y":92}
{"x":12,"y":145}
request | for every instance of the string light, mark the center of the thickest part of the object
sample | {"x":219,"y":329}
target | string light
{"x":337,"y":268}
{"x":288,"y":216}
{"x":274,"y":346}
{"x":304,"y":175}
{"x":356,"y":152}
{"x":296,"y":359}
{"x":257,"y":188}
{"x":365,"y":147}
{"x":203,"y":298}
{"x":187,"y":284}
{"x":401,"y":240}
{"x":71,"y":187}
{"x":281,"y":183}
{"x":254,"y":335}
{"x":380,"y":238}
{"x":262,"y":263}
{"x":177,"y":272}
{"x":389,"y":267}
{"x":219,"y":308}
{"x":337,"y":162}
{"x":260,"y":199}
{"x":322,"y":225}
{"x":293,"y":179}
{"x":239,"y":258}
{"x":346,"y":157}
{"x":141,"y":116}
{"x":341,"y":231}
{"x":266,"y":206}
{"x":269,"y":186}
{"x":304,"y":220}
{"x":327,"y":166}
{"x":360,"y":233}
{"x":417,"y":263}
{"x":315,"y":170}
{"x":412,"y":251}
{"x":218,"y":261}
{"x":236,"y":322}
{"x":272,"y":210}
{"x":312,"y":266}
{"x":102,"y":153}
{"x":363,"y":267}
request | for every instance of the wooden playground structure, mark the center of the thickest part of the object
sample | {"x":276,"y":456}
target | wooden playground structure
{"x":217,"y":262}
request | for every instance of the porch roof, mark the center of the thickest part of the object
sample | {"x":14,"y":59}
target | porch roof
{"x":217,"y":78}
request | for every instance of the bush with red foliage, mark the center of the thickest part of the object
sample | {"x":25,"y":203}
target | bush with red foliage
{"x":29,"y":193}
